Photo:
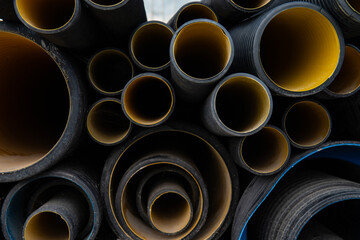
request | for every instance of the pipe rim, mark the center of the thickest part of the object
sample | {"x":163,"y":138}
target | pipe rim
{"x":355,"y":9}
{"x":192,"y":4}
{"x":106,"y":7}
{"x":262,"y":5}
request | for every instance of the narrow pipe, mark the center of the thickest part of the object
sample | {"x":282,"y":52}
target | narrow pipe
{"x":191,"y":11}
{"x":170,"y":210}
{"x":283,"y":45}
{"x":264,"y":153}
{"x":239,"y":105}
{"x":106,"y":122}
{"x":7,"y":11}
{"x":63,"y":22}
{"x":201,"y":53}
{"x":148,"y":100}
{"x":307,"y":124}
{"x":109,"y":70}
{"x":41,"y":103}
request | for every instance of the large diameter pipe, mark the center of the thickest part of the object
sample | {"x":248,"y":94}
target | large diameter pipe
{"x":201,"y":53}
{"x":283,"y":45}
{"x":41,"y":103}
{"x":7,"y":11}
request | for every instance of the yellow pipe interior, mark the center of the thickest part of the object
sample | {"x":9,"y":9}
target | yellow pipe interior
{"x":202,"y":50}
{"x":251,"y":4}
{"x":110,"y":70}
{"x":106,"y":2}
{"x":354,"y":4}
{"x":194,"y":11}
{"x":107,"y":123}
{"x":170,"y":212}
{"x":47,"y":226}
{"x":45,"y":14}
{"x":307,"y":123}
{"x":266,"y":151}
{"x":348,"y":79}
{"x":150,"y":45}
{"x":242,"y":104}
{"x":299,"y":49}
{"x":148,"y":100}
{"x":34,"y":102}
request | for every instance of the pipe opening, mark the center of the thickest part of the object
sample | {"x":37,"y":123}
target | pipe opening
{"x":170,"y":212}
{"x":150,"y":45}
{"x":242,"y":104}
{"x":46,"y":15}
{"x":348,"y":79}
{"x":45,"y":226}
{"x":194,"y":11}
{"x":34,"y":102}
{"x":106,"y":2}
{"x":110,"y":70}
{"x":148,"y":100}
{"x":354,"y":4}
{"x":202,"y":50}
{"x":251,"y":4}
{"x":107,"y":123}
{"x":265,"y":151}
{"x":300,"y":49}
{"x":307,"y":123}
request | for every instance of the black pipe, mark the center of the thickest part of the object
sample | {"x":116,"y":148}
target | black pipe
{"x":64,"y":22}
{"x":41,"y":103}
{"x":201,"y":53}
{"x":239,"y":105}
{"x":119,"y":17}
{"x":109,"y":70}
{"x":7,"y":11}
{"x":148,"y":100}
{"x":106,"y":122}
{"x":283,"y":45}
{"x":317,"y":231}
{"x":191,"y":11}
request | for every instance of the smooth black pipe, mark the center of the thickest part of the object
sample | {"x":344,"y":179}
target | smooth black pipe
{"x":240,"y":105}
{"x":201,"y":53}
{"x":7,"y":11}
{"x":41,"y":103}
{"x":283,"y":45}
{"x":109,"y":70}
{"x":191,"y":11}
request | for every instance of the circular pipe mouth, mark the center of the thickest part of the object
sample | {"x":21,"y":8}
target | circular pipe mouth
{"x":107,"y":123}
{"x":171,"y":212}
{"x":194,"y":11}
{"x":34,"y":102}
{"x":243,"y":104}
{"x":292,"y":43}
{"x":148,"y":100}
{"x":109,"y":71}
{"x":47,"y":225}
{"x":150,"y":45}
{"x":266,"y":151}
{"x":307,"y":124}
{"x":348,"y":79}
{"x":251,"y":4}
{"x":107,"y":3}
{"x":202,"y":49}
{"x":46,"y":15}
{"x":355,"y":5}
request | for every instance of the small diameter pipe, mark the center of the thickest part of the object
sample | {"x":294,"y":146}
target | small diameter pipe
{"x":170,"y":210}
{"x":63,"y":22}
{"x":264,"y":153}
{"x":307,"y":124}
{"x":109,"y":70}
{"x":149,"y":46}
{"x":283,"y":45}
{"x":240,"y":105}
{"x":191,"y":11}
{"x":106,"y":122}
{"x":148,"y":100}
{"x":201,"y":53}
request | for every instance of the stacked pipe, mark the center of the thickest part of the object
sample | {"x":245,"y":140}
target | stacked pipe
{"x":233,"y":120}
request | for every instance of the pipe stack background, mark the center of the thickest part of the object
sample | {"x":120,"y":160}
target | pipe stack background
{"x":236,"y":119}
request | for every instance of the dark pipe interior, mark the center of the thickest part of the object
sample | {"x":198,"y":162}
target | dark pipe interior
{"x":355,"y":4}
{"x":194,"y":11}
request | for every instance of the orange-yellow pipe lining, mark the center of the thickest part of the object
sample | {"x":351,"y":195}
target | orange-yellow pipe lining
{"x":251,"y":4}
{"x":195,"y":10}
{"x":106,"y":2}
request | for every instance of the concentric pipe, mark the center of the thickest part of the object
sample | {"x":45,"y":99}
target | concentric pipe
{"x":201,"y":53}
{"x":109,"y":70}
{"x":283,"y":45}
{"x":41,"y":103}
{"x":106,"y":122}
{"x":239,"y":105}
{"x":148,"y":100}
